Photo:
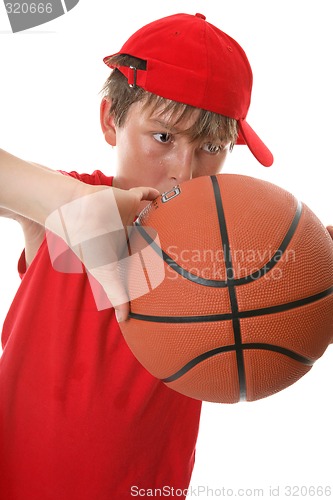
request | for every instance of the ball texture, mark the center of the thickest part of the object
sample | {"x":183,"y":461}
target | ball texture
{"x":246,"y":304}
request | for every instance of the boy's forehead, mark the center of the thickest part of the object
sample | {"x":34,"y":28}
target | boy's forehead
{"x":172,"y":117}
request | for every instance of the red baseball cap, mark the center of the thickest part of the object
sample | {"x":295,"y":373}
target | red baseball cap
{"x":191,"y":61}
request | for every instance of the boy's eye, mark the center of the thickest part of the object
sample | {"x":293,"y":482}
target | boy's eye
{"x":163,"y":137}
{"x":211,"y":148}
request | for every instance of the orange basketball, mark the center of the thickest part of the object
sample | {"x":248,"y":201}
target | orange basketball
{"x":246,"y":304}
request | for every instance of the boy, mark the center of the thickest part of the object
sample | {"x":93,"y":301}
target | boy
{"x":81,"y":419}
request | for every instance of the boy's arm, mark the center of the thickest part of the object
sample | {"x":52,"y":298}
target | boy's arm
{"x":32,"y":231}
{"x":46,"y":197}
{"x":33,"y":191}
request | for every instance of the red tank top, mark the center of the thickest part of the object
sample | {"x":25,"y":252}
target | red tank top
{"x":81,"y":419}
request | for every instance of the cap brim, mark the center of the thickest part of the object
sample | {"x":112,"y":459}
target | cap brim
{"x":248,"y":136}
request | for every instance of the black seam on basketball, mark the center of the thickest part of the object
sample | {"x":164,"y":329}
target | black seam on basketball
{"x":281,"y":350}
{"x":181,"y":319}
{"x":176,"y":267}
{"x":278,"y":254}
{"x":231,"y":283}
{"x":195,"y":361}
{"x":229,"y":348}
{"x":231,"y":288}
{"x":287,"y":306}
{"x":259,"y":273}
{"x":229,"y":316}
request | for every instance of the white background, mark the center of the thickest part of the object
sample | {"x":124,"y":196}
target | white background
{"x":49,"y":113}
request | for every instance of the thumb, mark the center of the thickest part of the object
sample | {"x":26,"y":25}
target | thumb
{"x":145,"y":193}
{"x":121,"y":312}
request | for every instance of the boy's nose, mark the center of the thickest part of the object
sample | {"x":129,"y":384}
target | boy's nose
{"x":182,"y":166}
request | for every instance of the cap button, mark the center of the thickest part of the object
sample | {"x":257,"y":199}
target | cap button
{"x":201,"y":16}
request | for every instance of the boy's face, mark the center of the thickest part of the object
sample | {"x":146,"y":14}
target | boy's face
{"x":152,"y":152}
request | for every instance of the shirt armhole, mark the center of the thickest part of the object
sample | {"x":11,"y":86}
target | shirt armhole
{"x":22,"y":266}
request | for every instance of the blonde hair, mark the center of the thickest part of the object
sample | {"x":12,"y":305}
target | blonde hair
{"x":207,"y":124}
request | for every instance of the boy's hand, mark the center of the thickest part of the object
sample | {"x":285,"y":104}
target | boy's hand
{"x":94,"y":227}
{"x":128,"y":204}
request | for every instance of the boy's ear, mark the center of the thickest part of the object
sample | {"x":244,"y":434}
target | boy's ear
{"x":107,"y":122}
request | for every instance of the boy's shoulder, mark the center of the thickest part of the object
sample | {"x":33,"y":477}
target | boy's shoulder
{"x":96,"y":178}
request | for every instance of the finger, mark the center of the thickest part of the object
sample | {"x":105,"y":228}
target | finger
{"x":122,"y":312}
{"x":145,"y":193}
{"x":109,"y":289}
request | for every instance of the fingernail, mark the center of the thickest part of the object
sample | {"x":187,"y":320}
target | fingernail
{"x":119,"y":316}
